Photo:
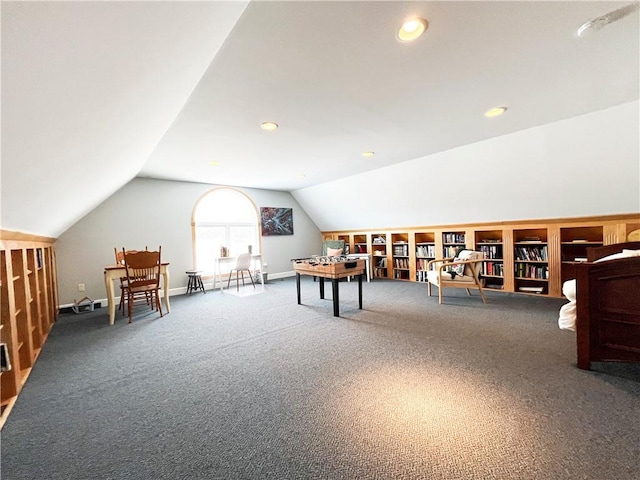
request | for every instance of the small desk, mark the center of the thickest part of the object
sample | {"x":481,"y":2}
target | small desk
{"x":335,"y":271}
{"x":115,"y":272}
{"x":367,"y":258}
{"x":217,"y":267}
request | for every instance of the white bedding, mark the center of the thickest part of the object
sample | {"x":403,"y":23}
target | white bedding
{"x":567,"y":316}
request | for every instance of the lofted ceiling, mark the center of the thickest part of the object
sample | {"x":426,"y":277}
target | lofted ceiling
{"x":96,"y":93}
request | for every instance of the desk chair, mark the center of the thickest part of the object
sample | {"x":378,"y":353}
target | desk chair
{"x":243,"y":263}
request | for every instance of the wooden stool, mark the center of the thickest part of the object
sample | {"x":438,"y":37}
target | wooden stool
{"x":195,"y":281}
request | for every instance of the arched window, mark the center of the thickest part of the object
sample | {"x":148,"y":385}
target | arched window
{"x":224,"y":217}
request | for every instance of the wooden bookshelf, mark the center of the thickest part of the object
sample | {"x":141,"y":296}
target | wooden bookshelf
{"x":529,"y":256}
{"x":29,"y":299}
{"x":400,"y":255}
{"x":452,"y":242}
{"x":360,"y":243}
{"x":531,"y":264}
{"x":574,"y":242}
{"x":380,"y":254}
{"x":490,"y":243}
{"x":425,"y":251}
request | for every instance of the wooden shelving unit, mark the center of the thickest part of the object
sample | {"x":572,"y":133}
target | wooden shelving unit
{"x":400,"y":254}
{"x":452,"y":242}
{"x":490,"y":243}
{"x":29,"y":299}
{"x":531,"y":264}
{"x":528,"y":256}
{"x":360,"y":243}
{"x":574,"y":242}
{"x":425,"y":248}
{"x":380,"y":255}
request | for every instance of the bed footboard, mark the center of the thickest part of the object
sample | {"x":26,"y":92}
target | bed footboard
{"x":608,"y":311}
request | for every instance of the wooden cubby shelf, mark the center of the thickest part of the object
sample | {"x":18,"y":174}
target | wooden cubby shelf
{"x":379,"y":255}
{"x":29,"y":307}
{"x":490,"y":243}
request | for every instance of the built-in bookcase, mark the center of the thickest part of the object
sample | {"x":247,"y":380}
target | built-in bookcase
{"x":360,"y":244}
{"x":425,"y":252}
{"x":379,"y":254}
{"x":490,"y":243}
{"x":531,"y":261}
{"x":400,"y":253}
{"x":574,"y":244}
{"x":347,"y":243}
{"x":452,"y":242}
{"x":28,"y":299}
{"x":525,"y":256}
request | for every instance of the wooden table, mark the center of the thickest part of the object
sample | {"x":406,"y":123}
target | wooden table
{"x":333,"y":270}
{"x":115,"y":272}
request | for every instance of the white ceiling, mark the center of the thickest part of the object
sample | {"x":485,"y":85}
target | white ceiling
{"x":102,"y":92}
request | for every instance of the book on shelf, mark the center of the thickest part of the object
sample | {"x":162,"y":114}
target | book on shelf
{"x":580,"y":259}
{"x":5,"y":361}
{"x":531,"y":289}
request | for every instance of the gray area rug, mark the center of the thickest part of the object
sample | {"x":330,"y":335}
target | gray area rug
{"x":258,"y":387}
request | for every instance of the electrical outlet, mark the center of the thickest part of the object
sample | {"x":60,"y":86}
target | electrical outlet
{"x":81,"y":287}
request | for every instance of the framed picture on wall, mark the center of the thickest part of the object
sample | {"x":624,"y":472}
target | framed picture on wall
{"x":276,"y":220}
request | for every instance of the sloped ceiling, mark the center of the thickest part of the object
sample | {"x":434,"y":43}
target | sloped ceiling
{"x":88,"y":90}
{"x":95,"y":93}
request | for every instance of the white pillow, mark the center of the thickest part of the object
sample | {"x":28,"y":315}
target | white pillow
{"x":622,"y":254}
{"x":466,"y":255}
{"x":334,"y":252}
{"x":569,"y":289}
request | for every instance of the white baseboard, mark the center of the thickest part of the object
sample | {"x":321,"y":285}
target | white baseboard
{"x":183,"y":290}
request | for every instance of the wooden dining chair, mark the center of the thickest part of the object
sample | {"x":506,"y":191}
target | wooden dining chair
{"x":143,"y":278}
{"x":123,"y":280}
{"x":119,"y":255}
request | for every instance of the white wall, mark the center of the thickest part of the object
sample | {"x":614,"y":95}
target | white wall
{"x":158,"y":212}
{"x":586,"y":165}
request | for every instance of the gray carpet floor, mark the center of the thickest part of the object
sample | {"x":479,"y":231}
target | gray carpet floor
{"x":258,"y":387}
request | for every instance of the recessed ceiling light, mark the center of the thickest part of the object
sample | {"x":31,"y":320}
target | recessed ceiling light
{"x":269,"y":125}
{"x":302,"y":175}
{"x":368,"y":154}
{"x":214,"y":163}
{"x":495,"y":112}
{"x":412,"y":29}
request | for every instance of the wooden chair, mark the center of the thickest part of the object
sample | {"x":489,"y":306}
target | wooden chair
{"x":119,"y":255}
{"x":243,"y":263}
{"x":143,"y":278}
{"x":462,"y":271}
{"x":123,"y":280}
